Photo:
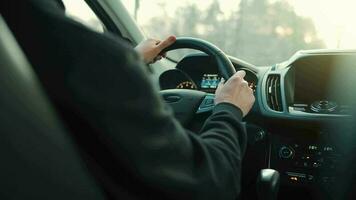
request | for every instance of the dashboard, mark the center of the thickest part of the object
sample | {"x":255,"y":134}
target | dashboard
{"x":199,"y":72}
{"x":309,"y":101}
{"x":303,"y":107}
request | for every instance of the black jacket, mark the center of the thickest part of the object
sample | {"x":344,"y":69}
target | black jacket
{"x":129,"y":139}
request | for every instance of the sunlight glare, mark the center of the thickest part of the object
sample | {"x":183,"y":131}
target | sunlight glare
{"x":334,"y":20}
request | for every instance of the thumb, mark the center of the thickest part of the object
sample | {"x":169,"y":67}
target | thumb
{"x":167,"y":42}
{"x":220,"y":85}
{"x":240,"y":74}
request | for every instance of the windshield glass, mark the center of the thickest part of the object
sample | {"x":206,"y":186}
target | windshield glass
{"x":262,"y":32}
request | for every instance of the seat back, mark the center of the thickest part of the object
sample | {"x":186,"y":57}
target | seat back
{"x":38,"y":159}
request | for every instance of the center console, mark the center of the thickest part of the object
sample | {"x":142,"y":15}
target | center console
{"x":310,"y":101}
{"x":305,"y":159}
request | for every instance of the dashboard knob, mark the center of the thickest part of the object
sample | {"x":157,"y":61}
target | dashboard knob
{"x":323,"y":106}
{"x":286,"y":152}
{"x":260,"y":135}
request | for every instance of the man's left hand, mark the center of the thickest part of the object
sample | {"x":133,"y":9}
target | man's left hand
{"x":151,"y":49}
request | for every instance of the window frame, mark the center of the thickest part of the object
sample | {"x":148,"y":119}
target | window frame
{"x":103,"y":17}
{"x":118,"y":22}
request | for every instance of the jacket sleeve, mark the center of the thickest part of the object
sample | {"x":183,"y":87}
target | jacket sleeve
{"x":142,"y":132}
{"x":108,"y":87}
{"x":100,"y":78}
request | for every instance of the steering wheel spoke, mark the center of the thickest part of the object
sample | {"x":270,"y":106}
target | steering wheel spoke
{"x":207,"y":105}
{"x":184,"y":102}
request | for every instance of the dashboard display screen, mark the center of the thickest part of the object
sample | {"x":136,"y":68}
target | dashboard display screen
{"x":210,"y":81}
{"x":324,"y":79}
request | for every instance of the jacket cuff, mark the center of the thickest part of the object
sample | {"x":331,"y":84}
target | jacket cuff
{"x":236,"y":111}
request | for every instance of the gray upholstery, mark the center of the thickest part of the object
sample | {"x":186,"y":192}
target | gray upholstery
{"x":38,"y":159}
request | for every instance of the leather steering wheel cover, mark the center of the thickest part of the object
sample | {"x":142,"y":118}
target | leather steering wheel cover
{"x":226,"y":68}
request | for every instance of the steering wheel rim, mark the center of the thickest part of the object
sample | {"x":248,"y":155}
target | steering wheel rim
{"x":187,"y":103}
{"x":225,"y":66}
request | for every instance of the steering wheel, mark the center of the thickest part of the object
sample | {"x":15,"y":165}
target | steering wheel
{"x":187,"y":103}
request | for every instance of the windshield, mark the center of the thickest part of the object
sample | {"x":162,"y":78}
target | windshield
{"x":262,"y":32}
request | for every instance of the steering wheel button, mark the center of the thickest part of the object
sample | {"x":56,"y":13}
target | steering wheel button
{"x":209,"y":102}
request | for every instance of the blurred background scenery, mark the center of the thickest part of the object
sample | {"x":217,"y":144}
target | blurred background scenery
{"x":262,"y":32}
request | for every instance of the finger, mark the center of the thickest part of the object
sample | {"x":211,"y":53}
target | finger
{"x":237,"y":77}
{"x":244,"y":83}
{"x":240,"y":74}
{"x":156,"y":59}
{"x":159,"y":58}
{"x":156,"y":41}
{"x":166,"y":43}
{"x":220,"y":86}
{"x":164,"y":54}
{"x":221,"y":83}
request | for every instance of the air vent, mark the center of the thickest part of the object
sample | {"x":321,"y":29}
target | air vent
{"x":273,"y":92}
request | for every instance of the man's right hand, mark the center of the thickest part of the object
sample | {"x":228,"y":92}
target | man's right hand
{"x":236,"y":91}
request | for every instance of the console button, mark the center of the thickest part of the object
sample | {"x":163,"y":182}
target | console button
{"x":316,"y":164}
{"x":306,"y":164}
{"x":298,"y":178}
{"x":286,"y":152}
{"x":310,"y":178}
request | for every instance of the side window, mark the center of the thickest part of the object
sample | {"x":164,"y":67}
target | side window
{"x":81,"y":12}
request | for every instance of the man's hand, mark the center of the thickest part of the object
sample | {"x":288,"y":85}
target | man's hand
{"x":151,"y":49}
{"x":237,"y":92}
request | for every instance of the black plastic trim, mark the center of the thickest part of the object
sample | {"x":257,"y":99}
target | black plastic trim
{"x":104,"y":17}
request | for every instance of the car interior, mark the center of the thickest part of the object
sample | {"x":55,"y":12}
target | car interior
{"x":301,"y":142}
